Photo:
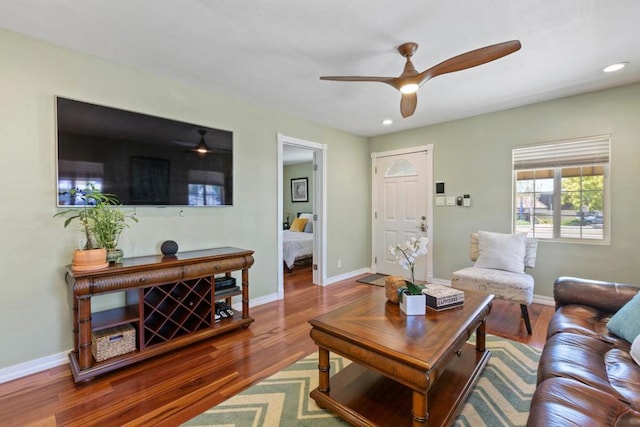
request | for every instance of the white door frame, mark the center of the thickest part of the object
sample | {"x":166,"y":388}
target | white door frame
{"x":374,"y":200}
{"x":319,"y":208}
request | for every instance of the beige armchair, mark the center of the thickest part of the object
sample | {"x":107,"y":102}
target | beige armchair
{"x":500,"y":269}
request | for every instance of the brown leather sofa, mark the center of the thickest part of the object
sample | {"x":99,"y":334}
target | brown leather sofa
{"x":586,"y":376}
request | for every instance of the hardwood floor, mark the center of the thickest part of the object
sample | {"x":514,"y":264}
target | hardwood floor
{"x":175,"y":387}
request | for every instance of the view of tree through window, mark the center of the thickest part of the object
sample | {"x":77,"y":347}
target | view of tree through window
{"x":582,"y":203}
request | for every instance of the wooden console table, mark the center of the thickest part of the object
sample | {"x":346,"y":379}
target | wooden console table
{"x":170,"y":302}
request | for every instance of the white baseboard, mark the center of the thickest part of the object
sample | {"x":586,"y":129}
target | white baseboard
{"x":346,"y":276}
{"x":254,"y":302}
{"x":540,"y":299}
{"x":33,"y":366}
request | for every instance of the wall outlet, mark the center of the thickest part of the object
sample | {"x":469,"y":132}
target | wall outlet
{"x":339,"y":263}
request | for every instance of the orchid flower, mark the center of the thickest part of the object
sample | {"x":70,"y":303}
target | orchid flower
{"x":406,"y":255}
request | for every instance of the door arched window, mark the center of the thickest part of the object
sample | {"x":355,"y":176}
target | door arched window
{"x":400,"y":167}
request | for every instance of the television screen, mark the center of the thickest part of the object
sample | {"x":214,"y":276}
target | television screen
{"x":143,"y":160}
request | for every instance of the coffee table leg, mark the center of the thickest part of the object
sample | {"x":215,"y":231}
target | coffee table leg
{"x":481,"y":335}
{"x":323,"y":370}
{"x":419,"y":409}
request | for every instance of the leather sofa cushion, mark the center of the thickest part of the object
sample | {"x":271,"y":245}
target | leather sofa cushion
{"x":565,"y":402}
{"x":584,"y":320}
{"x":605,"y":296}
{"x":593,"y":362}
{"x":624,"y":376}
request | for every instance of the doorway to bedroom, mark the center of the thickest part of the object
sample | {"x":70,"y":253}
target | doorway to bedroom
{"x":301,"y":212}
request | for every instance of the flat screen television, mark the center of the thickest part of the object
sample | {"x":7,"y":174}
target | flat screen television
{"x":143,"y":160}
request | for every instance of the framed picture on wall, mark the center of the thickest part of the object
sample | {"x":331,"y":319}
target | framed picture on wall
{"x":299,"y":190}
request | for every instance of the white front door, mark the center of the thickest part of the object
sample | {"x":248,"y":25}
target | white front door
{"x":402,"y":191}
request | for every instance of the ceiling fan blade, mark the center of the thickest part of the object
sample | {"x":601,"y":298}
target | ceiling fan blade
{"x":408,"y":104}
{"x":471,"y":59}
{"x":357,"y":79}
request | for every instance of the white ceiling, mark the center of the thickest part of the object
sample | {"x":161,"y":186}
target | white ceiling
{"x":271,"y":52}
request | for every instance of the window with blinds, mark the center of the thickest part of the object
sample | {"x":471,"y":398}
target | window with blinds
{"x":561,"y":189}
{"x":206,"y":188}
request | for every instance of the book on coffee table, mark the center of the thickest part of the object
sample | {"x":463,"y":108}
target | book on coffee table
{"x":441,"y":297}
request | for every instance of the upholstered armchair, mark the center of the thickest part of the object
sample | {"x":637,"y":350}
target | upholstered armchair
{"x":500,"y":267}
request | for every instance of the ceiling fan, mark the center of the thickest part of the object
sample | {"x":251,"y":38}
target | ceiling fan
{"x":202,"y":148}
{"x":410,"y":80}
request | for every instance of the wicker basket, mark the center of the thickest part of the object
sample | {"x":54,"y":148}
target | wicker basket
{"x":112,"y":342}
{"x":391,"y":285}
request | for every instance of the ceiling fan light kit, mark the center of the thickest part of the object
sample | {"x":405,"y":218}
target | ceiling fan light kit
{"x":409,"y":88}
{"x":202,"y":147}
{"x":410,"y":80}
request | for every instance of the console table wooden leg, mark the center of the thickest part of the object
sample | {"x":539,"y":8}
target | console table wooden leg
{"x":75,"y":326}
{"x":245,"y":293}
{"x":481,"y":335}
{"x":323,"y":370}
{"x":84,"y":333}
{"x":419,"y":409}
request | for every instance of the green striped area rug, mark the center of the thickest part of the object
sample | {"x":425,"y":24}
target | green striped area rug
{"x":501,"y":396}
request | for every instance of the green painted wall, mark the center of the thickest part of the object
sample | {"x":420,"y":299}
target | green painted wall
{"x":473,"y":156}
{"x":302,"y":170}
{"x":35,"y":310}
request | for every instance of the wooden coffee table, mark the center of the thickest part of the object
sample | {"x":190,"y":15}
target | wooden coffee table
{"x":408,"y":370}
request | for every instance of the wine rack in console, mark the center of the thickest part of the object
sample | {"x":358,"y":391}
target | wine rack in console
{"x":170,"y":302}
{"x":176,"y":309}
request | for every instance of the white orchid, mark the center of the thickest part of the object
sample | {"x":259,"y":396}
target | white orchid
{"x":406,"y":255}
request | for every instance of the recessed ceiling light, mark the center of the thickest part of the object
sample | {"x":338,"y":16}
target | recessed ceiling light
{"x":614,"y":67}
{"x":387,"y":122}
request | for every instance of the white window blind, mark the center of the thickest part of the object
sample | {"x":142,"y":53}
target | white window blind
{"x":583,"y":152}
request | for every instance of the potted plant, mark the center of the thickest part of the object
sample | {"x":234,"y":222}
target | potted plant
{"x":412,"y":300}
{"x":102,"y":221}
{"x":108,"y":222}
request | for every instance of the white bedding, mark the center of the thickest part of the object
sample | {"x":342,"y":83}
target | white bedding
{"x":296,"y":245}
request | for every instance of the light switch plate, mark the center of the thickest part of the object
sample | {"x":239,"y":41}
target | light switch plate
{"x":451,"y":201}
{"x":440,"y":200}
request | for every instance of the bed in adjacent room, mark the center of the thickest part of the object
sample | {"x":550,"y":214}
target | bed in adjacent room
{"x":297,"y":242}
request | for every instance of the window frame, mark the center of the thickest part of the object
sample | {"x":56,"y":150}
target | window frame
{"x":557,"y":166}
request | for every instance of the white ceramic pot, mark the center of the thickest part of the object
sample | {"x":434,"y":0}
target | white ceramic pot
{"x":413,"y":305}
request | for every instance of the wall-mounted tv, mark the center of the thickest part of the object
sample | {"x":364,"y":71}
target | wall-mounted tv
{"x":144,"y":160}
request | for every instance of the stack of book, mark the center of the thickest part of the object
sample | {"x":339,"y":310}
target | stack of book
{"x":441,"y":297}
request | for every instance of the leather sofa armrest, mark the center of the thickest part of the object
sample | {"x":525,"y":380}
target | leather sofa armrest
{"x":605,"y":296}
